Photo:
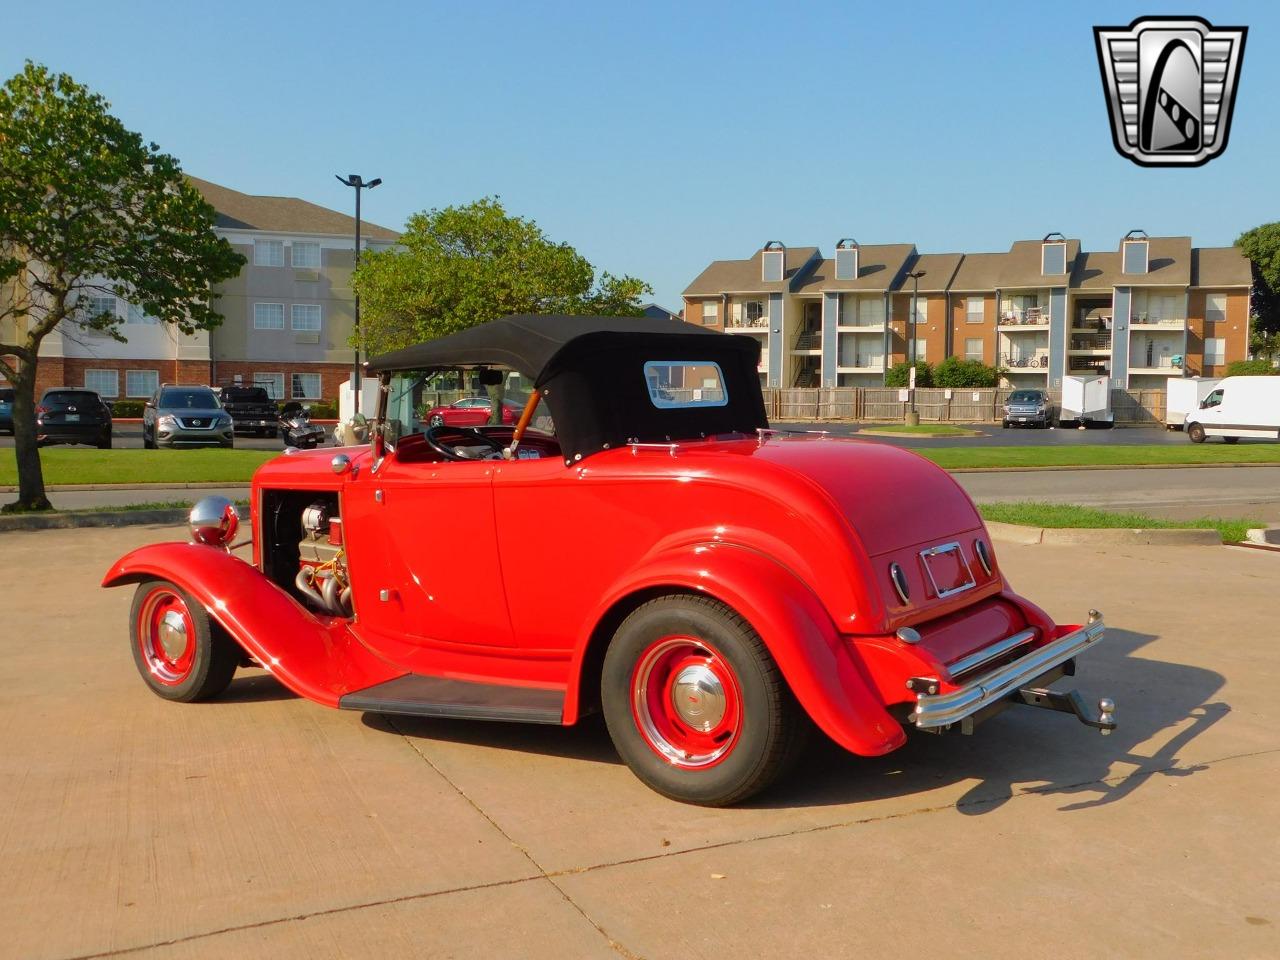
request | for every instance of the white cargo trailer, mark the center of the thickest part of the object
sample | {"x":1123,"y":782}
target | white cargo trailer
{"x":1086,"y":399}
{"x":1183,"y":395}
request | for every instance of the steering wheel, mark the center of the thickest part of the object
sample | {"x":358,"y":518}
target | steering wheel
{"x":459,"y":436}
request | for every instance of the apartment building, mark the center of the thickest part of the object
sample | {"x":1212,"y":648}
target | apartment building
{"x":288,"y":315}
{"x":1154,"y":307}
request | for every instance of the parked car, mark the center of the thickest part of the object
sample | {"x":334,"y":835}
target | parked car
{"x":470,"y":412}
{"x":1029,"y":408}
{"x":6,"y":410}
{"x":1238,"y":407}
{"x":251,"y":410}
{"x":185,"y":416}
{"x":712,"y":586}
{"x":70,"y":415}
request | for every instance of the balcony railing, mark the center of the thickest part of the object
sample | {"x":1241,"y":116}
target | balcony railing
{"x":1012,"y":361}
{"x":1029,"y":317}
{"x":1091,"y":341}
{"x":864,"y":361}
{"x":750,"y":322}
{"x":1142,"y":320}
{"x":1098,"y":365}
{"x":809,"y":341}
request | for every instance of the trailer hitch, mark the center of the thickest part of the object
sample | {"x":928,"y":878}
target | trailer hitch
{"x":1070,"y":701}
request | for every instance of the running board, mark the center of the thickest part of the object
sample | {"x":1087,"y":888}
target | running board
{"x":422,"y":696}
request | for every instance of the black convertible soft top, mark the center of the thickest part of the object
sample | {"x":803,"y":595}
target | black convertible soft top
{"x":590,"y":371}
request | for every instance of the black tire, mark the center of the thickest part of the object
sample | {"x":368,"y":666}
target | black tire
{"x":147,"y":442}
{"x":1230,"y":439}
{"x":1005,"y":424}
{"x":1195,"y":433}
{"x":201,"y":672}
{"x":105,"y":442}
{"x":436,"y":421}
{"x":764,"y":728}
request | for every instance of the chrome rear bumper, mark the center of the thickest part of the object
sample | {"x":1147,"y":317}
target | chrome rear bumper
{"x":944,"y":709}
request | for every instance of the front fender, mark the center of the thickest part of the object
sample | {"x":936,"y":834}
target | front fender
{"x":822,"y":669}
{"x":315,"y":657}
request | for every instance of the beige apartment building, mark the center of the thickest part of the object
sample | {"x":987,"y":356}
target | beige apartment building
{"x":288,"y":315}
{"x":1152,"y":308}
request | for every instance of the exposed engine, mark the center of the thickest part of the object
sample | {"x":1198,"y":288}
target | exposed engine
{"x":322,"y":578}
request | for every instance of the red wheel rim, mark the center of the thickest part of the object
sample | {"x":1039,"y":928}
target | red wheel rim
{"x":166,"y":636}
{"x":686,"y":702}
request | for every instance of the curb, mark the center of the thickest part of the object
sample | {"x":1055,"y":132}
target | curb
{"x":1266,"y":536}
{"x":162,"y":485}
{"x":117,"y":518}
{"x":963,"y":435}
{"x":1067,"y":536}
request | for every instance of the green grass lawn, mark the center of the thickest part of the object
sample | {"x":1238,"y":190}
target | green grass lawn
{"x":64,"y":465}
{"x":1059,"y":515}
{"x":923,"y":429}
{"x":953,"y":458}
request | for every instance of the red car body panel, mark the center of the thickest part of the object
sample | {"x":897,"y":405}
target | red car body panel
{"x":515,"y":572}
{"x":455,"y":416}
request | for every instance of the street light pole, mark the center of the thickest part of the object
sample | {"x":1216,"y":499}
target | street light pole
{"x":354,"y":180}
{"x":913,"y":418}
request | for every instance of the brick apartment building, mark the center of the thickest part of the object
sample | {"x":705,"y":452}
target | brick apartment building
{"x":1155,"y":307}
{"x":288,"y":315}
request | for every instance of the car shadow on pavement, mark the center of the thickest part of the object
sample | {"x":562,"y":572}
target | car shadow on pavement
{"x":1161,"y":708}
{"x":257,"y":687}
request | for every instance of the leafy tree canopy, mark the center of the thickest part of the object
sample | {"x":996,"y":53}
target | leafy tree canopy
{"x":958,"y":372}
{"x":464,"y":265}
{"x":1262,"y":246}
{"x":86,"y":206}
{"x":899,"y":375}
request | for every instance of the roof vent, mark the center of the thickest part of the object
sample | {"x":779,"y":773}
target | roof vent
{"x":1053,"y":255}
{"x":773,"y":262}
{"x":1135,"y":250}
{"x":847,"y":259}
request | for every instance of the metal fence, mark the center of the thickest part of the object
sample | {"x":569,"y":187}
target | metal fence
{"x":935,"y":404}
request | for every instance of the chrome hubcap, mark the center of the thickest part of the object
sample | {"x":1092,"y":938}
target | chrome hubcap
{"x":172,"y":634}
{"x":698,"y":697}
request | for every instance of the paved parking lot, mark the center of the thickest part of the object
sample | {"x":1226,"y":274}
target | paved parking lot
{"x":262,"y":824}
{"x":129,"y":436}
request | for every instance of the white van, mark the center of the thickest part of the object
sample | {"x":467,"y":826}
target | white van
{"x":1238,"y":407}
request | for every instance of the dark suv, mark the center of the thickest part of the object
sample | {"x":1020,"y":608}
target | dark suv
{"x":67,"y":415}
{"x":252,"y":410}
{"x":6,"y":409}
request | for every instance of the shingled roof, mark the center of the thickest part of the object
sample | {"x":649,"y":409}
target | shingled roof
{"x":243,"y":211}
{"x":879,"y":264}
{"x":1220,"y":267}
{"x":743,"y":276}
{"x":1168,"y":265}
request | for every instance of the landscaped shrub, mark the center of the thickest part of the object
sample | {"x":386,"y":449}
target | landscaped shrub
{"x":127,"y":408}
{"x":323,"y":409}
{"x":899,"y":375}
{"x":1252,"y":368}
{"x":958,"y":372}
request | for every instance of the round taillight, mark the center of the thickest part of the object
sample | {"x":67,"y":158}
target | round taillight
{"x":984,"y":555}
{"x":900,"y":582}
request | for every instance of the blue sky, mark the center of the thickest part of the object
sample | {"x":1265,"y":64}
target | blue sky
{"x":656,"y":137}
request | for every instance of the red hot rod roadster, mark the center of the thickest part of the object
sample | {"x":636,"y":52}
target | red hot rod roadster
{"x":712,"y":586}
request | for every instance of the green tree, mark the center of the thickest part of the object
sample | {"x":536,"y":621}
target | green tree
{"x":86,"y":206}
{"x":1251,"y":368}
{"x":958,"y":372}
{"x":460,"y":266}
{"x":899,"y":375}
{"x":1262,"y":246}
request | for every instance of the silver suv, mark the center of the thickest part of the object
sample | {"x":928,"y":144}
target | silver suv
{"x":178,"y":416}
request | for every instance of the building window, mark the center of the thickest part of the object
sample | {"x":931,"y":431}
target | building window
{"x":273,"y":383}
{"x":305,"y":316}
{"x":919,"y":350}
{"x":710,"y":313}
{"x":97,"y":306}
{"x":974,"y":310}
{"x":753,"y":311}
{"x":306,"y":254}
{"x":1053,"y":259}
{"x":268,"y":253}
{"x":141,"y":383}
{"x":922,"y":310}
{"x":105,"y":383}
{"x":870,"y":312}
{"x":1215,"y":307}
{"x":305,"y":386}
{"x":973,"y":349}
{"x":1215,"y":350}
{"x":268,"y":316}
{"x":136,"y":315}
{"x":1134,"y":256}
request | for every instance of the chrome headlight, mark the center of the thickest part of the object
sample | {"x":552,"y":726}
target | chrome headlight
{"x":213,"y":521}
{"x":224,"y":421}
{"x":167,"y":421}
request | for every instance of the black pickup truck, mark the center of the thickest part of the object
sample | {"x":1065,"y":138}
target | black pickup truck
{"x":252,"y":410}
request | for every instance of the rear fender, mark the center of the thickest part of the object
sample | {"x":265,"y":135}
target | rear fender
{"x":317,"y":658}
{"x":821,"y":668}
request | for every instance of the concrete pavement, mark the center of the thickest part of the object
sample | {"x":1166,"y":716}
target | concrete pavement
{"x":264,"y":825}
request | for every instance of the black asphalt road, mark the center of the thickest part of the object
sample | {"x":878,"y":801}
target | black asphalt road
{"x":993,"y":435}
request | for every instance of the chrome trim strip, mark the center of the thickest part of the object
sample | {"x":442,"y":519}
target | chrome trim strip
{"x":952,"y":547}
{"x":947,"y":708}
{"x":986,"y":655}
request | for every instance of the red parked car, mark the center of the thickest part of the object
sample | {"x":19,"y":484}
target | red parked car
{"x":713,"y":587}
{"x":470,"y":412}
